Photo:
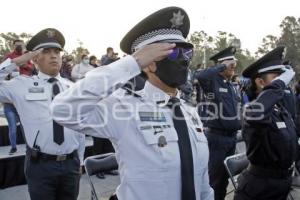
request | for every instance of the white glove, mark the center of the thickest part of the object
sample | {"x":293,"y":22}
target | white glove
{"x":286,"y":76}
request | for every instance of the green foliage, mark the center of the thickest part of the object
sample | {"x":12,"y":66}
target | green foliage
{"x":290,"y":37}
{"x":205,"y":46}
{"x":6,"y":41}
{"x":79,"y":51}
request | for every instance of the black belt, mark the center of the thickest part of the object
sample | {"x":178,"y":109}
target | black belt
{"x":47,"y":157}
{"x":270,"y":173}
{"x":228,"y":133}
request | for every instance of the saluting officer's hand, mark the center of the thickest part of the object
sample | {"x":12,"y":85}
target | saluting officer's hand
{"x":286,"y":76}
{"x":229,"y":63}
{"x":152,"y":53}
{"x":23,"y":59}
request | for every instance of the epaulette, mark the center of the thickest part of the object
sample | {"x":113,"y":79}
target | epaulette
{"x":131,"y":92}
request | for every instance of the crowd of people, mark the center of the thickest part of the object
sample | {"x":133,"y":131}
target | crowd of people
{"x":171,"y":129}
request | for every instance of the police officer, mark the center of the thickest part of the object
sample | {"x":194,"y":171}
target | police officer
{"x":269,"y":131}
{"x":223,"y":119}
{"x":52,"y":163}
{"x":159,"y":142}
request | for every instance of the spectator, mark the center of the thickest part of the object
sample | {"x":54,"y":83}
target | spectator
{"x":9,"y":109}
{"x":109,"y":57}
{"x":19,"y":49}
{"x":79,"y":70}
{"x":235,"y":80}
{"x":93,"y":61}
{"x":66,"y":68}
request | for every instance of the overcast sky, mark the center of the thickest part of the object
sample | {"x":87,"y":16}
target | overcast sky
{"x":99,"y":24}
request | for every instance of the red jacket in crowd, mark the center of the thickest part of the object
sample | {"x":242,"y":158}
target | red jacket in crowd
{"x":26,"y":70}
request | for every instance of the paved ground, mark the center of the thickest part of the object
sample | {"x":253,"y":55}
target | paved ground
{"x":104,"y":189}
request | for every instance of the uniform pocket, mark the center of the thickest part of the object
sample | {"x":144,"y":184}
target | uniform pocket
{"x":158,"y":134}
{"x":162,"y":140}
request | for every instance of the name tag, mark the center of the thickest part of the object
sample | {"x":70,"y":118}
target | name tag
{"x":152,"y":116}
{"x":36,"y":97}
{"x":36,"y":90}
{"x":280,"y":125}
{"x":223,"y":90}
{"x":37,"y":94}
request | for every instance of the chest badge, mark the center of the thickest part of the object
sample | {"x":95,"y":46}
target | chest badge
{"x":162,"y":141}
{"x":225,"y":90}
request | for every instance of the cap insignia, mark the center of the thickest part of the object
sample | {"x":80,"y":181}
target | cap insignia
{"x":50,"y":33}
{"x":177,"y":19}
{"x":284,"y":53}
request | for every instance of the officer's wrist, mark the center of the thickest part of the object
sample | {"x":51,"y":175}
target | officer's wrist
{"x":137,"y":60}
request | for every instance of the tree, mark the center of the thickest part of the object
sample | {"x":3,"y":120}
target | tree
{"x":6,"y":41}
{"x":289,"y":37}
{"x":268,"y":43}
{"x":202,"y":47}
{"x":206,"y":46}
{"x":79,"y":51}
{"x":244,"y":59}
{"x":223,"y":40}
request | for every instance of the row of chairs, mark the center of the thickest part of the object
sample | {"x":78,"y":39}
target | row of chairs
{"x":106,"y":162}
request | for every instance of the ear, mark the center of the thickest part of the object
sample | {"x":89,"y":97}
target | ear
{"x":260,"y":83}
{"x":152,"y":67}
{"x":35,"y":59}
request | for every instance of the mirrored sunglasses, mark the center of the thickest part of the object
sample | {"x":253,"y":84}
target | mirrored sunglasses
{"x":187,"y":53}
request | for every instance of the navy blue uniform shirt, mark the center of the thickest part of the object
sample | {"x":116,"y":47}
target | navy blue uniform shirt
{"x":270,"y":133}
{"x":223,"y":99}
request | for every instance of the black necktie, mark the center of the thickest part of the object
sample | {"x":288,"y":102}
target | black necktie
{"x":58,"y":130}
{"x":185,"y":150}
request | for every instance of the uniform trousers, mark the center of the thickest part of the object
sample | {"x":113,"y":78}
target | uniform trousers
{"x":51,"y":179}
{"x":220,"y":147}
{"x":254,"y":187}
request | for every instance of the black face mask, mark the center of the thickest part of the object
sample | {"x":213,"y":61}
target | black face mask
{"x":19,"y":49}
{"x":172,"y":73}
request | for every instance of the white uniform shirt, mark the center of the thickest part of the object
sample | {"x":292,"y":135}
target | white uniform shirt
{"x":134,"y":125}
{"x":32,"y":95}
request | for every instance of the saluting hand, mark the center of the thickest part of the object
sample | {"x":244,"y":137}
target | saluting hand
{"x":286,"y":76}
{"x":152,"y":53}
{"x":23,"y":59}
{"x":229,"y":63}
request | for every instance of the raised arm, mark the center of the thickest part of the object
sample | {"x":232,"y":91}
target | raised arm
{"x":209,"y":73}
{"x":7,"y":67}
{"x":259,"y":110}
{"x":86,"y":103}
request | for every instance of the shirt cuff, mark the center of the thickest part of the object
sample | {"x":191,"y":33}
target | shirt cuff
{"x":129,"y":66}
{"x":7,"y":66}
